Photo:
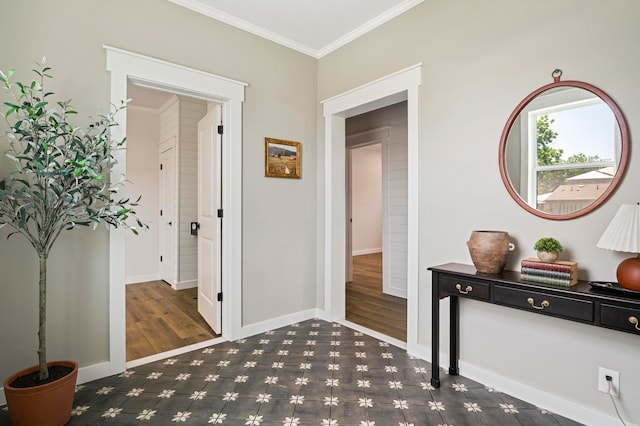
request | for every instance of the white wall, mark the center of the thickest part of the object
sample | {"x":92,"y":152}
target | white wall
{"x":478,"y":65}
{"x":142,"y":171}
{"x":366,"y":192}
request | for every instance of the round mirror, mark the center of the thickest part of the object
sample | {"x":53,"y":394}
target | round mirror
{"x":564,"y":149}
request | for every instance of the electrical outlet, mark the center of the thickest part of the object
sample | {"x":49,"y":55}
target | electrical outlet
{"x":603,"y":384}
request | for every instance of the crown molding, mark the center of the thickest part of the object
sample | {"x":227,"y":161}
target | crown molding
{"x":221,"y":16}
{"x":368,"y":26}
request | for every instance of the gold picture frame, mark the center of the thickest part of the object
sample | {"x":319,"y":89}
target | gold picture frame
{"x":281,"y":158}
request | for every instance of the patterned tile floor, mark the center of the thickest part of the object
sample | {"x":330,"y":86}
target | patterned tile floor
{"x":312,"y":373}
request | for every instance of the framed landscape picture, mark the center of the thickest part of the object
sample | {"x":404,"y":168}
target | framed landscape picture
{"x":281,"y":158}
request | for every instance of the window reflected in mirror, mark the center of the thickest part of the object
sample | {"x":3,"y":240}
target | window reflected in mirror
{"x":562,"y":150}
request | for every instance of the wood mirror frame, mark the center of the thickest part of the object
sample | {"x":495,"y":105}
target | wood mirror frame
{"x":621,"y":162}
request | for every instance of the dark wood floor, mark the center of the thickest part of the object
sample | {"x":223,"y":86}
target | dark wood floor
{"x":366,"y":305}
{"x":160,"y":318}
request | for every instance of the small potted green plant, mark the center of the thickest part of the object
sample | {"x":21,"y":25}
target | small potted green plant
{"x":548,"y":249}
{"x":59,"y":181}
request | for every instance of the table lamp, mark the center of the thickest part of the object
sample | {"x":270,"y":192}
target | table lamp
{"x":623,"y":234}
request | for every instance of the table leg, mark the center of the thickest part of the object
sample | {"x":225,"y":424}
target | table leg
{"x":454,"y":341}
{"x":435,"y":332}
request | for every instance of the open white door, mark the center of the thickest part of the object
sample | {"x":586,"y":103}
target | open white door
{"x":209,"y":234}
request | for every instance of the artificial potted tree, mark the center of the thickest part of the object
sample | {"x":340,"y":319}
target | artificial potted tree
{"x":548,"y":249}
{"x":59,"y":182}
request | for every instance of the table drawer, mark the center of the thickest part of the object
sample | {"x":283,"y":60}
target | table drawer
{"x":620,"y":317}
{"x":560,"y":306}
{"x":460,"y":287}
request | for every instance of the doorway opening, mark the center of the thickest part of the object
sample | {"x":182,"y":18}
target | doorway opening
{"x":125,"y":67}
{"x":376,"y":228}
{"x":162,"y":263}
{"x":394,"y":88}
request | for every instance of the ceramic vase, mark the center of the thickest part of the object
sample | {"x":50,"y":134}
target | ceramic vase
{"x":489,"y":250}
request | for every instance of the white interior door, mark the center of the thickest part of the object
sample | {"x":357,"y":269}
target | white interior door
{"x":209,"y":234}
{"x":167,"y":200}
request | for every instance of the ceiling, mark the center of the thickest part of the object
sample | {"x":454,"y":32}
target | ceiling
{"x":313,"y":27}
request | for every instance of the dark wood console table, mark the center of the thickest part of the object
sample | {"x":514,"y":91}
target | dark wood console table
{"x":580,"y":303}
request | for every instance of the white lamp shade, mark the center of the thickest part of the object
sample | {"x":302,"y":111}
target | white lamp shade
{"x":623,"y":233}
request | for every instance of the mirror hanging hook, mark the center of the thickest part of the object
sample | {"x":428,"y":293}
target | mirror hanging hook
{"x":556,"y":74}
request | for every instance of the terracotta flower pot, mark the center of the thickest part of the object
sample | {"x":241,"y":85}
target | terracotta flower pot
{"x":44,"y":405}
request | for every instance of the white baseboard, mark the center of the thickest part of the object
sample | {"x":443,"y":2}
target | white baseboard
{"x":283,"y":321}
{"x":181,"y":285}
{"x":564,"y":407}
{"x":366,"y":251}
{"x":357,"y":327}
{"x":174,"y":352}
{"x":553,"y":403}
{"x":395,"y":291}
{"x":135,"y":279}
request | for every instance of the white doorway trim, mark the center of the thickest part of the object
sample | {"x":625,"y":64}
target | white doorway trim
{"x":394,"y":88}
{"x":153,"y":73}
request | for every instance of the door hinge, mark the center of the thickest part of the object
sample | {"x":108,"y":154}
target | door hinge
{"x":220,"y":297}
{"x":160,"y":258}
{"x":220,"y":213}
{"x":220,"y":130}
{"x":160,"y":212}
{"x":160,"y":166}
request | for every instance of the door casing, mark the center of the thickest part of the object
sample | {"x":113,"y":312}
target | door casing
{"x":153,"y":73}
{"x":388,"y":90}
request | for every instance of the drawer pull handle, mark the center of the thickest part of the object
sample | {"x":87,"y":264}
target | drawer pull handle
{"x":634,"y":321}
{"x":467,"y":290}
{"x":544,"y":304}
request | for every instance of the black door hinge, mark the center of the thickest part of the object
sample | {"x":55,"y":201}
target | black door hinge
{"x":160,"y":212}
{"x":160,"y":166}
{"x":220,"y":297}
{"x":160,"y":258}
{"x":220,"y":213}
{"x":220,"y":130}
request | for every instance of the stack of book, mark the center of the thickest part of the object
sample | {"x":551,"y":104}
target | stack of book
{"x":561,"y":272}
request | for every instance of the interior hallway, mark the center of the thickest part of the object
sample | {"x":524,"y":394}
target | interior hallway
{"x":160,"y":318}
{"x":368,"y":306}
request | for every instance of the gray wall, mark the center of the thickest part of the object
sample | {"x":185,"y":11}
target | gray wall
{"x":280,"y":103}
{"x":479,"y":61}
